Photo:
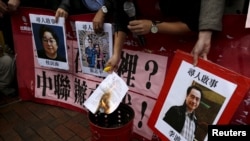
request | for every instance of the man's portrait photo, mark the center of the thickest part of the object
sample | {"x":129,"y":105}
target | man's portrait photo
{"x":191,"y":118}
{"x":191,"y":105}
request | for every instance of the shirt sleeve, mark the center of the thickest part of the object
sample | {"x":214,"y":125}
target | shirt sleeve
{"x":211,"y":14}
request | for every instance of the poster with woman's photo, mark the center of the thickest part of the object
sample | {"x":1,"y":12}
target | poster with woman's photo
{"x":94,"y":49}
{"x":194,"y":97}
{"x":49,"y":41}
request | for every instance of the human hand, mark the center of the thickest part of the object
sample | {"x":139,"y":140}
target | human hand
{"x":13,"y":5}
{"x":3,"y":8}
{"x":98,"y":21}
{"x":202,"y":46}
{"x":61,"y":13}
{"x":140,"y":27}
{"x":112,"y":64}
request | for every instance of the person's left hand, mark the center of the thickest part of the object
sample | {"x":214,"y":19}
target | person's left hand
{"x":140,"y":27}
{"x":61,"y":13}
{"x":202,"y":46}
{"x":13,"y":5}
{"x":98,"y":21}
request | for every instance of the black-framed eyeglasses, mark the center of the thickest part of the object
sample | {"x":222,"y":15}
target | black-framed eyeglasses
{"x":51,"y":40}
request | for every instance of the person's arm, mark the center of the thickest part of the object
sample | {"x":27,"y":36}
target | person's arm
{"x":63,"y":9}
{"x":101,"y":14}
{"x":211,"y":14}
{"x":98,"y":21}
{"x":10,"y":6}
{"x":119,"y":39}
{"x":120,"y":19}
{"x":140,"y":27}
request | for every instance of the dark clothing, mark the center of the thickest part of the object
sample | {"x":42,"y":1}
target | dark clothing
{"x":5,"y":27}
{"x":175,"y":117}
{"x":45,"y":4}
{"x":181,"y":10}
{"x":74,"y":7}
{"x":211,"y":15}
{"x":91,"y":56}
{"x":41,"y":54}
{"x":120,"y":18}
{"x":186,"y":11}
{"x":71,"y":6}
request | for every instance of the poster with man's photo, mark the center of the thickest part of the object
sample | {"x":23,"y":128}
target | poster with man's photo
{"x":49,"y":41}
{"x":94,"y":49}
{"x":194,"y":97}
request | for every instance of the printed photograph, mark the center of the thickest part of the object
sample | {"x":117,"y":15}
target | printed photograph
{"x":49,"y":42}
{"x":94,"y":49}
{"x":191,"y":105}
{"x":191,"y":118}
{"x":49,"y":39}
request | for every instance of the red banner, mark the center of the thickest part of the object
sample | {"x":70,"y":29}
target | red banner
{"x":145,"y":66}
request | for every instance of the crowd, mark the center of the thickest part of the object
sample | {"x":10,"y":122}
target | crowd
{"x":203,"y":17}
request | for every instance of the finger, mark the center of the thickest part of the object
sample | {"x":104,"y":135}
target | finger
{"x":204,"y":56}
{"x":56,"y":16}
{"x":3,"y":10}
{"x":96,"y":27}
{"x":195,"y":59}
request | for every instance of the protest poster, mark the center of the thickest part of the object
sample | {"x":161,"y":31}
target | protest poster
{"x":49,"y":41}
{"x":94,"y":49}
{"x":221,"y":93}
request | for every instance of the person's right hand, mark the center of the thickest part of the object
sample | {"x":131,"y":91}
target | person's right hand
{"x":61,"y":13}
{"x":98,"y":21}
{"x":3,"y":8}
{"x":202,"y":46}
{"x":140,"y":27}
{"x":113,"y":63}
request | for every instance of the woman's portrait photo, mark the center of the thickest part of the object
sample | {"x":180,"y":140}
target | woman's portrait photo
{"x":49,"y":42}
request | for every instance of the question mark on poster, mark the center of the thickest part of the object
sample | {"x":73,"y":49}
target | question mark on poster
{"x":154,"y":71}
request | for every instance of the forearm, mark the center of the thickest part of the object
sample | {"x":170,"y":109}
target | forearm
{"x":205,"y":36}
{"x":119,"y":39}
{"x":174,"y":28}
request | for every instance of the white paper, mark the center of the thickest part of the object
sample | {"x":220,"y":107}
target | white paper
{"x":108,"y":95}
